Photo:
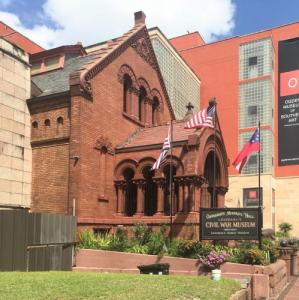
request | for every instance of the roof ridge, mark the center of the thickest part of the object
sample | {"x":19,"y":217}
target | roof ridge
{"x":89,"y":70}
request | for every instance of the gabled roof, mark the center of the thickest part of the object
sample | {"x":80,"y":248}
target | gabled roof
{"x":154,"y":136}
{"x":113,"y":48}
{"x":79,"y":71}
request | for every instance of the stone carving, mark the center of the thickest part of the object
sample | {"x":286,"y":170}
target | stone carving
{"x":104,"y":144}
{"x":142,"y":48}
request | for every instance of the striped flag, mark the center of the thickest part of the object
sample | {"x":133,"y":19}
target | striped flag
{"x":203,"y":118}
{"x":164,"y":151}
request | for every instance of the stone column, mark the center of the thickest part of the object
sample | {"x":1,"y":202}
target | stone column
{"x":181,"y":196}
{"x":197,"y":195}
{"x":134,"y":103}
{"x":120,"y":186}
{"x":140,"y":197}
{"x":186,"y":197}
{"x":160,"y":196}
{"x":191,"y":194}
{"x":220,"y":194}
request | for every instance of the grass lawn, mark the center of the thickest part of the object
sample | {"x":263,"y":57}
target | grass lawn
{"x":79,"y":285}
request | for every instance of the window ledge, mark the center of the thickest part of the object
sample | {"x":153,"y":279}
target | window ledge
{"x":133,"y":119}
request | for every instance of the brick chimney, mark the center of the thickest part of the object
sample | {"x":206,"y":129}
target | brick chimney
{"x":139,"y":17}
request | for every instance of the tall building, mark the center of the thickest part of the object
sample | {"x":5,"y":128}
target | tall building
{"x":182,"y":84}
{"x":248,"y":74}
{"x":15,"y":149}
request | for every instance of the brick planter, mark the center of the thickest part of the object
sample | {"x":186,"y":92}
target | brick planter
{"x":266,"y":281}
{"x":112,"y":261}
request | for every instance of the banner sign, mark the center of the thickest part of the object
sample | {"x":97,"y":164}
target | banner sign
{"x":288,"y":102}
{"x":230,"y":223}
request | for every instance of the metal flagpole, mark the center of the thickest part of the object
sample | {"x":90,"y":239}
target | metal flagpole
{"x":213,"y":102}
{"x":259,"y":188}
{"x":170,"y":182}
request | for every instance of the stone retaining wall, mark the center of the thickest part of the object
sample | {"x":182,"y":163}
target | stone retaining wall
{"x":263,"y":281}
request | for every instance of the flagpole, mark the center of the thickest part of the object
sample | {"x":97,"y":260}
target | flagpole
{"x":259,"y":188}
{"x":213,"y":102}
{"x":170,"y":182}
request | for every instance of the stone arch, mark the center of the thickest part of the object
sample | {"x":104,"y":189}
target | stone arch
{"x":125,"y":69}
{"x":177,"y":163}
{"x":143,"y":163}
{"x":142,"y":82}
{"x":124,"y":164}
{"x":157,"y":94}
{"x":212,"y":144}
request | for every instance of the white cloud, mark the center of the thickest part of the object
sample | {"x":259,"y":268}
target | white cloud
{"x":97,"y":20}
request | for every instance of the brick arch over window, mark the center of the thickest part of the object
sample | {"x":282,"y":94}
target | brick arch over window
{"x":124,"y":164}
{"x":144,"y":162}
{"x":143,"y":83}
{"x":125,"y":69}
{"x":156,"y":94}
{"x":176,"y":162}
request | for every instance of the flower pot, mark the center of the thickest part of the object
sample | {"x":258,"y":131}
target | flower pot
{"x":216,"y":274}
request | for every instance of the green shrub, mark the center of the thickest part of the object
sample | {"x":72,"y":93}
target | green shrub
{"x":86,"y":239}
{"x":184,"y":248}
{"x":157,"y":242}
{"x":141,"y":233}
{"x":119,"y":241}
{"x":285,"y":229}
{"x":141,"y":249}
{"x":272,"y":248}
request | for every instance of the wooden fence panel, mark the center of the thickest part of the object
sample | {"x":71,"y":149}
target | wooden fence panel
{"x":36,"y":241}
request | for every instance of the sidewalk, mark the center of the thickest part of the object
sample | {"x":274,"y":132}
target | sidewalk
{"x":293,"y":292}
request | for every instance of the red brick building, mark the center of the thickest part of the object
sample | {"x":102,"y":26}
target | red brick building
{"x":98,"y":123}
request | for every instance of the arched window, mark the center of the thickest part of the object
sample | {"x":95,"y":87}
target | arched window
{"x":34,"y":124}
{"x":150,"y":192}
{"x":141,"y":104}
{"x":60,"y":120}
{"x":212,"y":173}
{"x":127,"y":84}
{"x":130,"y":192}
{"x":170,"y":172}
{"x":47,"y":123}
{"x":155,"y":107}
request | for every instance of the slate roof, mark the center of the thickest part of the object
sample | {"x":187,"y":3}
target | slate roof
{"x":155,"y":135}
{"x":58,"y":81}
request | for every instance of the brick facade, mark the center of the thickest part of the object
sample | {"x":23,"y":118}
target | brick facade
{"x":108,"y":128}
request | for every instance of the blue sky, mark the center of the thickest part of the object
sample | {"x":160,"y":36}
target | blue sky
{"x":56,"y":22}
{"x":256,"y":15}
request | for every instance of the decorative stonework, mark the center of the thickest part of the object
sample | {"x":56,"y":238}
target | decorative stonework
{"x":125,"y":69}
{"x":103,"y":143}
{"x":143,"y":82}
{"x":141,"y":47}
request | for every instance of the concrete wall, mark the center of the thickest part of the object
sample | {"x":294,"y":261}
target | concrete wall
{"x":15,"y":149}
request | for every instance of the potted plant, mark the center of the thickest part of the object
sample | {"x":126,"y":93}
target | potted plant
{"x":213,"y":261}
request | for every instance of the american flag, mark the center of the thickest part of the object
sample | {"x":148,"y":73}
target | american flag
{"x":164,"y":151}
{"x":203,"y":118}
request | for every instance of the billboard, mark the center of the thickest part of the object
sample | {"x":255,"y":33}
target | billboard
{"x":288,"y":102}
{"x":230,"y":223}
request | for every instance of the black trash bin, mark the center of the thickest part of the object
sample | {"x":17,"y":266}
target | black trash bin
{"x":157,"y":269}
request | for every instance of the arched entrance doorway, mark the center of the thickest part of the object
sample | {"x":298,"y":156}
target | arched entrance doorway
{"x":212,"y":177}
